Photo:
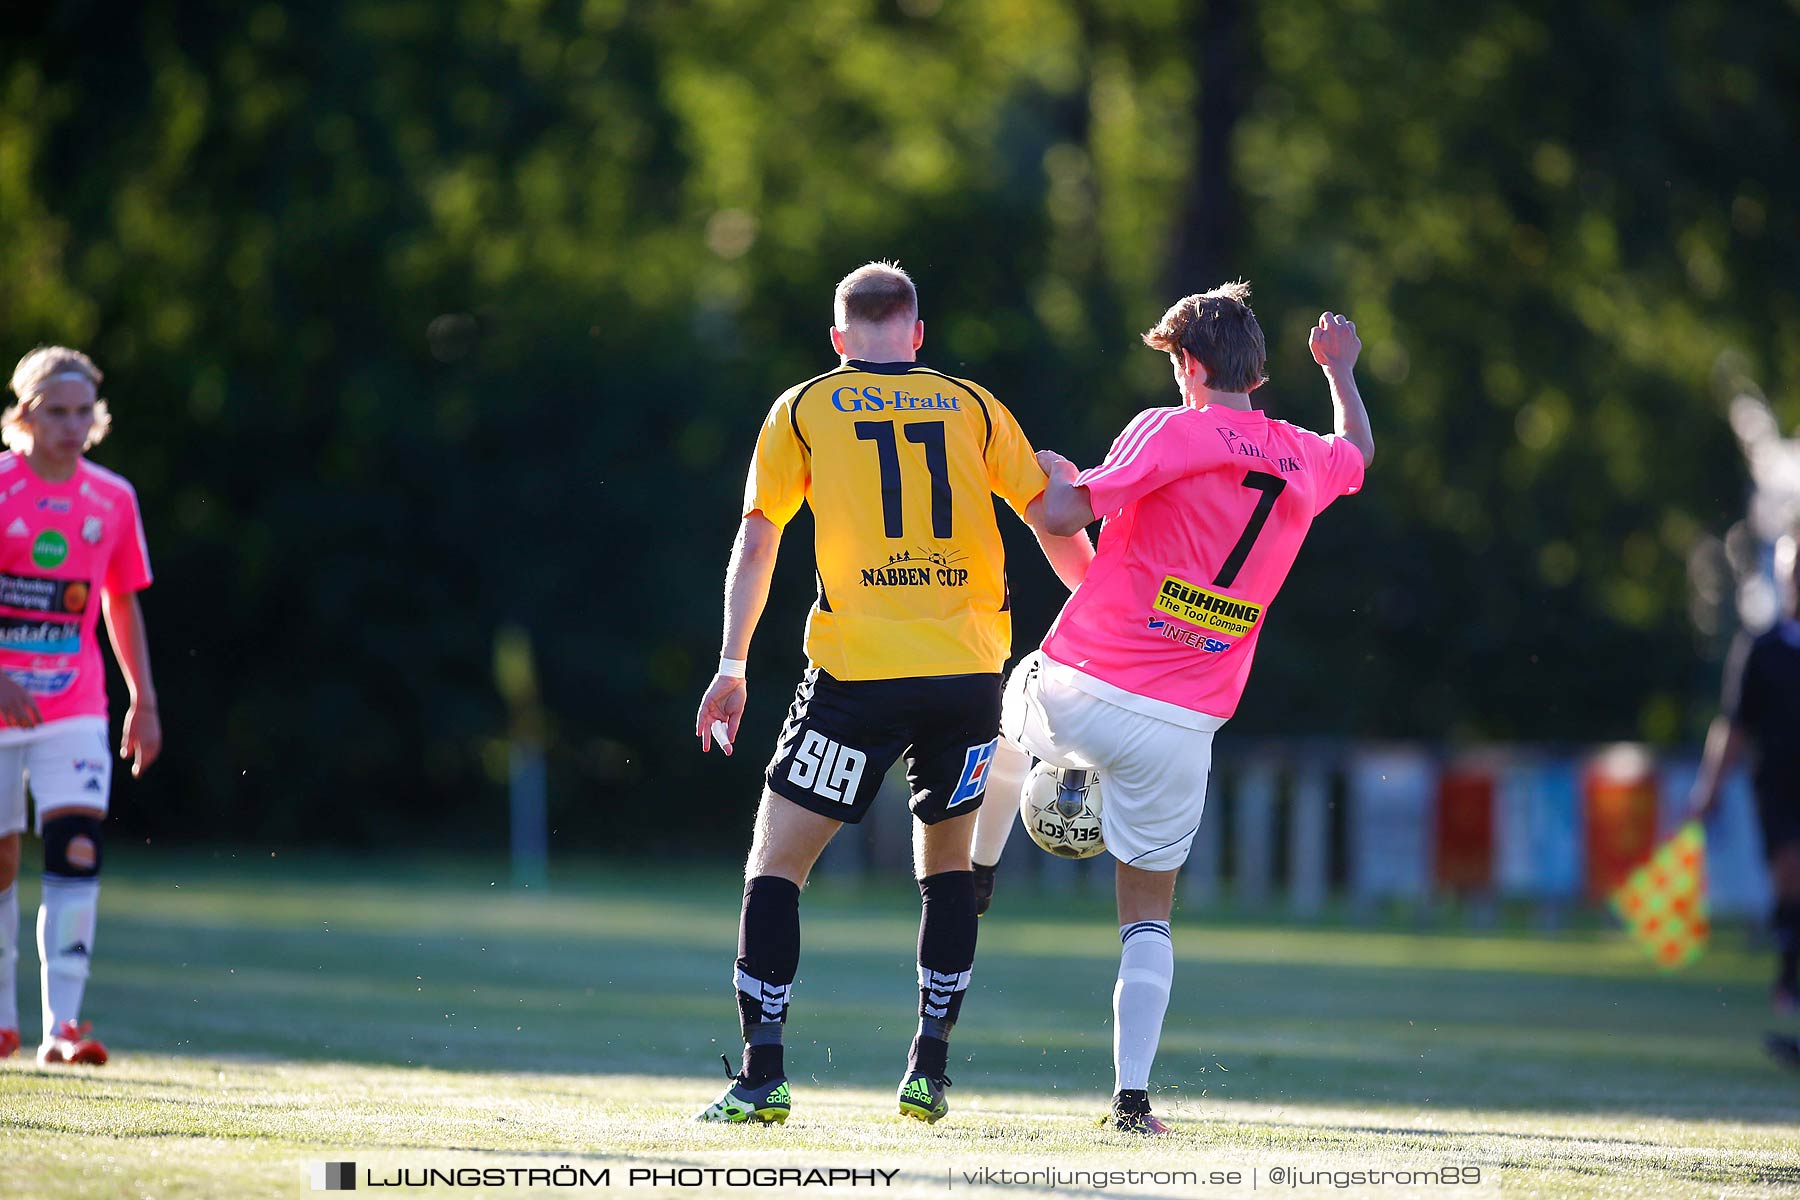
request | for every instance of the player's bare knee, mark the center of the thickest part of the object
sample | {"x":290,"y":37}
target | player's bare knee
{"x":766,"y":859}
{"x":771,"y":851}
{"x":788,"y":868}
{"x":784,"y":844}
{"x":1145,"y":895}
{"x":944,"y":846}
{"x":72,"y":843}
{"x":9,"y":860}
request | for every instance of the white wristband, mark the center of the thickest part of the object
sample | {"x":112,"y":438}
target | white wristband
{"x":731,"y":668}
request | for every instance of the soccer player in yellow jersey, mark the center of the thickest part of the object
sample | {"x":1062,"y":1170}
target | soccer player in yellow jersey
{"x":906,"y":642}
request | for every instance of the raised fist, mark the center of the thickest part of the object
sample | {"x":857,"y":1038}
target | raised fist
{"x":1333,"y":342}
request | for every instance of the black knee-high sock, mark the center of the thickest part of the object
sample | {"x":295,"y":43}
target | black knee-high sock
{"x":767,"y":959}
{"x":947,"y":929}
{"x":1787,"y":943}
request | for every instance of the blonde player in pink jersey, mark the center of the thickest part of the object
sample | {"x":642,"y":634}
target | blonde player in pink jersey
{"x":1205,"y":508}
{"x":71,"y":548}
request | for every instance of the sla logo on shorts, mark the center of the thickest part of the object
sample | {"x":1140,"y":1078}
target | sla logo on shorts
{"x":1209,"y":610}
{"x":974,"y":773}
{"x":823,"y":767}
{"x":50,"y":549}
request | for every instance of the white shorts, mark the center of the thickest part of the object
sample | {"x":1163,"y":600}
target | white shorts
{"x":1152,"y":772}
{"x":68,"y":763}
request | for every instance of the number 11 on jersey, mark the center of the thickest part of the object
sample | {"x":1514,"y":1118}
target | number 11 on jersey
{"x":930,"y":435}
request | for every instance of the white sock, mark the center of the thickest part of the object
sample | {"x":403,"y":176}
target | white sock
{"x":1141,"y":997}
{"x":65,"y":940}
{"x":1000,"y":807}
{"x":9,"y":957}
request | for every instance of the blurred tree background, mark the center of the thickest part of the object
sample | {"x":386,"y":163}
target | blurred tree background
{"x":423,"y":318}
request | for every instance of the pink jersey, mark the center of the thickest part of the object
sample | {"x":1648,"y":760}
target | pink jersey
{"x":1205,"y":511}
{"x":61,"y":545}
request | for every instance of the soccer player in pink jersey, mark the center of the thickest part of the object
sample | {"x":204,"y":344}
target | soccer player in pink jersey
{"x":71,"y":548}
{"x":1205,"y":508}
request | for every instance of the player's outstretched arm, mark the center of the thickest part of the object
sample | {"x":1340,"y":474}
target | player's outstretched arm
{"x":141,"y":741}
{"x":746,"y":591}
{"x":1064,"y":509}
{"x":1335,"y":347}
{"x":1069,"y":555}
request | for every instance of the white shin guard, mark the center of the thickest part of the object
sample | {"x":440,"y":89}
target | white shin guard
{"x":1140,"y":1000}
{"x":65,"y":938}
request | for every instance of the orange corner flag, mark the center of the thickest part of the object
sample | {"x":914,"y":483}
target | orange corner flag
{"x":1663,"y":903}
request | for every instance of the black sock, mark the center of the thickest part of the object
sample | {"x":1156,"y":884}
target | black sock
{"x":762,"y":1060}
{"x":1787,"y":944}
{"x":947,"y":928}
{"x":930,"y":1055}
{"x":768,"y":958}
{"x":1132,"y":1102}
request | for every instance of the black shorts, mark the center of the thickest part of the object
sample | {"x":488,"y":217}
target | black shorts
{"x":841,"y":736}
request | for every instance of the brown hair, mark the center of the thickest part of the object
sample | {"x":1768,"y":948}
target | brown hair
{"x":1221,"y":332}
{"x":35,"y":372}
{"x":873,"y":293}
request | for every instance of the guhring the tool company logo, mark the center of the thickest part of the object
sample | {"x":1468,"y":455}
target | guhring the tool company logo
{"x":1209,"y":610}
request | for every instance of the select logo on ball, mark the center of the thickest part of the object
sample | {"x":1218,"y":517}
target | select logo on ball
{"x":50,"y":549}
{"x":1061,"y":809}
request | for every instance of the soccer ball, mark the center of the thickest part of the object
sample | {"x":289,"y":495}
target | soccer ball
{"x":1061,"y":810}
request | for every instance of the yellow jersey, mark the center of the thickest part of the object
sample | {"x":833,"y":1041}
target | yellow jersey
{"x":900,"y":464}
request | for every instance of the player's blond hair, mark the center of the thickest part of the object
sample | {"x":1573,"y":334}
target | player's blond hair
{"x":873,"y":293}
{"x":35,"y":372}
{"x":1221,"y":332}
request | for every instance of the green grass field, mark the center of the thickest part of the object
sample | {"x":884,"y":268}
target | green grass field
{"x":266,"y":1013}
